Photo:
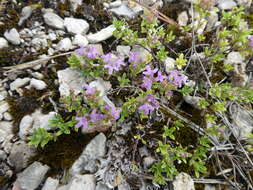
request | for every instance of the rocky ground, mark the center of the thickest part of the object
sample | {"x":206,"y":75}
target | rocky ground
{"x":32,"y":81}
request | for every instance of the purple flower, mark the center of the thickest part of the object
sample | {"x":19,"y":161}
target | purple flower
{"x":169,"y":93}
{"x":80,"y":50}
{"x":251,"y":41}
{"x":149,"y":71}
{"x":113,"y":64}
{"x":90,"y":52}
{"x":107,"y":57}
{"x":151,"y":99}
{"x":89,"y":90}
{"x":82,"y":122}
{"x":133,"y":57}
{"x":177,"y":78}
{"x":96,"y":117}
{"x":115,"y":113}
{"x":147,"y":83}
{"x":146,"y":108}
{"x":160,"y":77}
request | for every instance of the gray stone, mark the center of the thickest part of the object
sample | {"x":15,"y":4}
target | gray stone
{"x":76,"y":26}
{"x":102,"y":35}
{"x":234,"y":57}
{"x":50,"y":184}
{"x":81,"y":182}
{"x":64,"y":45}
{"x":7,"y":116}
{"x":102,"y":86}
{"x":25,"y":14}
{"x":212,"y":20}
{"x":38,"y":84}
{"x":3,"y":95}
{"x":5,"y":130}
{"x":115,"y":4}
{"x":183,"y":182}
{"x":13,"y":36}
{"x":25,"y":126}
{"x":123,"y":10}
{"x":4,"y":106}
{"x":19,"y":82}
{"x":70,"y":80}
{"x":32,"y":176}
{"x":226,"y":4}
{"x":39,"y":43}
{"x":80,"y":40}
{"x":245,"y":3}
{"x":3,"y":155}
{"x":210,"y":187}
{"x":143,"y":54}
{"x":93,"y":151}
{"x":123,"y":50}
{"x":124,"y":186}
{"x":53,"y":20}
{"x":148,"y":161}
{"x":20,"y":155}
{"x":34,"y":121}
{"x":193,"y":101}
{"x":102,"y":186}
{"x":75,"y":3}
{"x":169,"y":64}
{"x":182,"y":18}
{"x":242,"y":121}
{"x":3,"y":43}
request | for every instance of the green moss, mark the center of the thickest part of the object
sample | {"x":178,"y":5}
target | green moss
{"x":60,"y":155}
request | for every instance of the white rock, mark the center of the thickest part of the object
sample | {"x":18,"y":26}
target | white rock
{"x":245,"y":3}
{"x":93,"y":151}
{"x":13,"y":36}
{"x":123,"y":10}
{"x":210,"y":187}
{"x":182,"y":18}
{"x":102,"y":186}
{"x":234,"y":57}
{"x":143,"y":55}
{"x":53,"y":20}
{"x":226,"y":4}
{"x":32,"y":176}
{"x":4,"y":106}
{"x":38,"y":84}
{"x":20,"y":155}
{"x":192,"y":100}
{"x":52,"y":36}
{"x":25,"y":126}
{"x":1,"y":116}
{"x":115,"y":4}
{"x":101,"y":85}
{"x":124,"y":186}
{"x":81,"y":182}
{"x":242,"y":122}
{"x":70,"y":80}
{"x":7,"y":116}
{"x":39,"y":43}
{"x":123,"y":50}
{"x":25,"y":14}
{"x":169,"y":64}
{"x":42,"y":120}
{"x":75,"y":3}
{"x":19,"y":82}
{"x":80,"y":40}
{"x":5,"y":130}
{"x":37,"y":75}
{"x":76,"y":26}
{"x":3,"y":155}
{"x":50,"y":184}
{"x":183,"y":182}
{"x":3,"y":43}
{"x":101,"y":35}
{"x":64,"y":45}
{"x":212,"y":20}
